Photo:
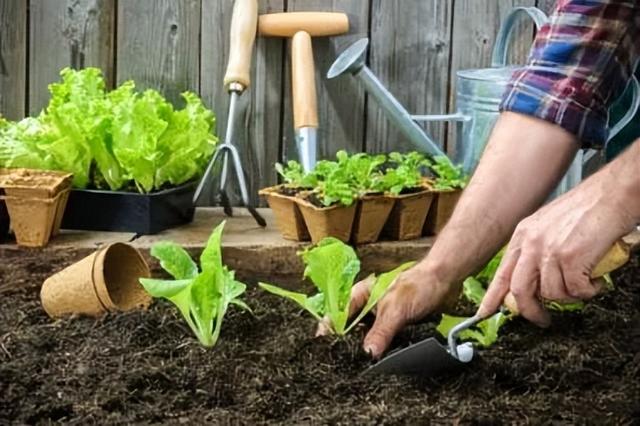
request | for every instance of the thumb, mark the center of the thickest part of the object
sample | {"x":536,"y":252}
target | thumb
{"x":387,"y":324}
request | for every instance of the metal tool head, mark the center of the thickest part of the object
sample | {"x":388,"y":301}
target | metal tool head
{"x":307,"y":144}
{"x":429,"y":358}
{"x":351,"y":60}
{"x":426,"y":358}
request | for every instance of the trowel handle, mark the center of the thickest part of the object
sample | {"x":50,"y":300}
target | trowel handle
{"x":244,"y":23}
{"x":305,"y":107}
{"x":615,"y":258}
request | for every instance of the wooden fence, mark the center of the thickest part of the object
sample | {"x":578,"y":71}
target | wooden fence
{"x":416,"y":47}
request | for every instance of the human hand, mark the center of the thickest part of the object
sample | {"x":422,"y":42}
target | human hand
{"x":553,"y":252}
{"x":413,"y":295}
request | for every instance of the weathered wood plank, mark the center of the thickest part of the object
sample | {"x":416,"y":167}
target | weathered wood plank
{"x":75,"y":33}
{"x":13,"y":50}
{"x":159,"y":45}
{"x":409,"y":52}
{"x":547,"y":6}
{"x":258,"y":128}
{"x":475,"y":26}
{"x":341,"y":102}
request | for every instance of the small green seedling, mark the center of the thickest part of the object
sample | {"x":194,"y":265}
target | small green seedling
{"x":474,"y":289}
{"x":202,"y":297}
{"x":332,"y":266}
{"x":406,"y":173}
{"x":448,"y":176}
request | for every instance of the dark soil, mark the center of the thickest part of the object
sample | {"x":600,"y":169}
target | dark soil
{"x":146,"y":367}
{"x":288,"y":190}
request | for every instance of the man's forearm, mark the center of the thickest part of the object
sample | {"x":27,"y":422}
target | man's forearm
{"x":523,"y":162}
{"x":620,"y":180}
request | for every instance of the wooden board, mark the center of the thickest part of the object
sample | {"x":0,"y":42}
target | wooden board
{"x":75,"y":33}
{"x":159,"y":45}
{"x":410,"y":53}
{"x":13,"y":51}
{"x":341,"y":102}
{"x":475,"y":26}
{"x":258,"y":125}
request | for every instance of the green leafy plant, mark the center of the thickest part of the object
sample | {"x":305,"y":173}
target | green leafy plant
{"x":118,"y":139}
{"x":474,"y":288}
{"x":294,"y":175}
{"x":363,"y":171}
{"x":202,"y":297}
{"x":448,"y":176}
{"x":332,"y":267}
{"x":406,"y":173}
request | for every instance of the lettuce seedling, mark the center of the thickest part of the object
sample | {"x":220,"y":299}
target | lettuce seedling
{"x":332,"y":266}
{"x":485,"y":333}
{"x":294,"y":175}
{"x":406,"y":173}
{"x":202,"y":297}
{"x":448,"y":175}
{"x":474,"y":288}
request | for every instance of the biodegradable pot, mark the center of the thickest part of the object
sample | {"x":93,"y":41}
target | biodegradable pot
{"x":408,"y":215}
{"x":287,"y":214}
{"x":97,"y":210}
{"x":34,"y":220}
{"x":29,"y":183}
{"x":444,"y":203}
{"x":104,"y":281}
{"x":334,"y":221}
{"x":372,"y":212}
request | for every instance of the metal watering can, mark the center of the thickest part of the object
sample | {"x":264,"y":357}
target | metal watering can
{"x":479,"y":92}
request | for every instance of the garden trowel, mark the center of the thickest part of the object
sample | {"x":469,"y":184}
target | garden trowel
{"x":244,"y":24}
{"x":429,"y":357}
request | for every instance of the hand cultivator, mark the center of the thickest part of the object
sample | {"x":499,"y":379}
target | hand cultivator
{"x":236,"y":80}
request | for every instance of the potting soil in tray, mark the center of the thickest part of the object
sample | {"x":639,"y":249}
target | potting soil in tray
{"x":146,"y":367}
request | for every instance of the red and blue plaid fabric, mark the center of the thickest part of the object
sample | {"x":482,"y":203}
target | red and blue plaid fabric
{"x":579,"y":64}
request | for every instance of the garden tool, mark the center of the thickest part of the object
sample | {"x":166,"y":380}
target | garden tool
{"x":429,"y":357}
{"x":479,"y":92}
{"x":236,"y":80}
{"x":301,"y":26}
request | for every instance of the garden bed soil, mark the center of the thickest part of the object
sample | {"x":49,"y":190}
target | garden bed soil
{"x":146,"y":367}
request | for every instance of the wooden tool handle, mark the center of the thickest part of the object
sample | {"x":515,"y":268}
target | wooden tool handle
{"x":244,"y":21}
{"x":615,"y":258}
{"x":305,"y":113}
{"x":316,"y":24}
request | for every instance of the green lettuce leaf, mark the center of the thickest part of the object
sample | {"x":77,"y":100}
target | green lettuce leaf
{"x":175,"y":260}
{"x":485,"y":333}
{"x":379,"y":289}
{"x":306,"y":302}
{"x":333,"y":266}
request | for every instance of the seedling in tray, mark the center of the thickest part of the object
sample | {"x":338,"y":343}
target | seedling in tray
{"x":332,"y":267}
{"x":202,"y":297}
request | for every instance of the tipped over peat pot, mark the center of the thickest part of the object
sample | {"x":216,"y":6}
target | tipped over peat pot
{"x":98,"y":210}
{"x":289,"y":219}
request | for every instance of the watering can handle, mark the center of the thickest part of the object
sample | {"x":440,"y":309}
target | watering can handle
{"x":631,"y":113}
{"x":500,"y":49}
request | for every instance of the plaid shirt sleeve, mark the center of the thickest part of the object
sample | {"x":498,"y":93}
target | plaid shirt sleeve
{"x":579,"y":64}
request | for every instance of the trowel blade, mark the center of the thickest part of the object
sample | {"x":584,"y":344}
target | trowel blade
{"x":426,"y":358}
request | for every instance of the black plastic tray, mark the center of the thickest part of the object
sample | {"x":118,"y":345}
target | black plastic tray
{"x":95,"y":210}
{"x":4,"y":221}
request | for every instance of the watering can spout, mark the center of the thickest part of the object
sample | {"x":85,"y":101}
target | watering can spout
{"x":352,"y":61}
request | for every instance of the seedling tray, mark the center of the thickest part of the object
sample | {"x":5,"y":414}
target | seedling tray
{"x":4,"y":221}
{"x":96,"y":210}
